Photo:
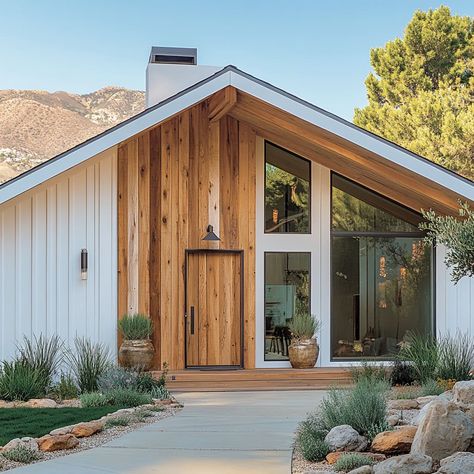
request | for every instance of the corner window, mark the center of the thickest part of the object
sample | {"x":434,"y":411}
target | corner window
{"x":287,"y":192}
{"x":287,"y":292}
{"x":381,"y":282}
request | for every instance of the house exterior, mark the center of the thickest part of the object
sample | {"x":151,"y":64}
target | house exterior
{"x":312,"y":214}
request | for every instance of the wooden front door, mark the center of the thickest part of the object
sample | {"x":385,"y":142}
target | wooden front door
{"x":214,"y":296}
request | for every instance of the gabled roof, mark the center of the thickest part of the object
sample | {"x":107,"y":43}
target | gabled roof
{"x":247,"y":84}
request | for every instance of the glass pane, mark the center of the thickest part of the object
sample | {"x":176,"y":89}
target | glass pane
{"x":287,"y":191}
{"x":381,"y":289}
{"x":357,"y":209}
{"x":287,"y":291}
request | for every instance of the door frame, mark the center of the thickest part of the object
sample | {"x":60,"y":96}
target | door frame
{"x":197,"y":251}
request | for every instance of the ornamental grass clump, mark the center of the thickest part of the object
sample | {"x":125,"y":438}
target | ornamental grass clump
{"x":456,"y":357}
{"x":348,"y":462}
{"x":44,"y":355}
{"x":127,"y":397}
{"x":303,"y":326}
{"x":369,"y":372}
{"x":136,"y":327}
{"x":65,"y":388}
{"x":88,"y":362}
{"x":20,"y":381}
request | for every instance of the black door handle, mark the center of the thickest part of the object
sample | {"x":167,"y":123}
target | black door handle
{"x":192,"y":319}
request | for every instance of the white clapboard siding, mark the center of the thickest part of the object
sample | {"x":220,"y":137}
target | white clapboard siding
{"x":454,"y":303}
{"x":42,"y":233}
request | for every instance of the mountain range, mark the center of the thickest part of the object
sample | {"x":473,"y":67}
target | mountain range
{"x":37,"y":125}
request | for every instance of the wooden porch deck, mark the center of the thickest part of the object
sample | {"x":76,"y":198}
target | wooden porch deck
{"x":191,"y":380}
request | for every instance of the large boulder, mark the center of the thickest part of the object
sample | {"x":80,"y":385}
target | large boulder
{"x":443,"y":431}
{"x":50,"y":443}
{"x":345,"y":438}
{"x":82,"y":430}
{"x":362,"y":470}
{"x":398,"y":441}
{"x":26,"y":442}
{"x":422,"y":401}
{"x":405,"y":464}
{"x":457,"y":463}
{"x":421,"y":414}
{"x":463,"y":392}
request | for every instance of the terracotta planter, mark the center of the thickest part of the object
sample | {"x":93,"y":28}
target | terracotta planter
{"x":137,"y":354}
{"x":303,"y":354}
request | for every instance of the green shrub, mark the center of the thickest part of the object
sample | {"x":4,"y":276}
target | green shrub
{"x":136,"y":326}
{"x":21,"y":454}
{"x":160,"y":392}
{"x":369,"y":372}
{"x":377,"y":428}
{"x":410,"y":393}
{"x":94,"y":400}
{"x":44,"y":355}
{"x":117,"y":377}
{"x":88,"y":362}
{"x":422,"y":351}
{"x":114,"y":421}
{"x":20,"y":381}
{"x":348,"y":462}
{"x":65,"y":388}
{"x":364,"y":407}
{"x":430,"y":387}
{"x":127,"y":397}
{"x":456,"y":357}
{"x":303,"y":326}
{"x":310,"y":440}
{"x":141,"y":414}
{"x":402,"y":373}
{"x":147,"y":383}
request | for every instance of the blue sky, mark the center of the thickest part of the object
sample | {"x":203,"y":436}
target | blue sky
{"x":318,"y":50}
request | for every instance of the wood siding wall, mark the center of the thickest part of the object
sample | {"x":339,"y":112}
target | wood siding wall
{"x":42,"y":233}
{"x":173,"y":181}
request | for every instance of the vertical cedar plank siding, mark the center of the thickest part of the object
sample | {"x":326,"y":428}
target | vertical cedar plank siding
{"x":174,"y":180}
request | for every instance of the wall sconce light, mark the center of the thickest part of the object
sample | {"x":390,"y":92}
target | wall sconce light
{"x":210,"y":234}
{"x":84,"y":264}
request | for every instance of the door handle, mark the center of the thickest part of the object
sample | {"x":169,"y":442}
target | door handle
{"x":192,"y":320}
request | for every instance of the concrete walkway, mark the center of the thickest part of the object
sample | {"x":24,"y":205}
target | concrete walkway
{"x":225,"y":433}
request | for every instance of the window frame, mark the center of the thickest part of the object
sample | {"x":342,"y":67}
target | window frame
{"x":310,"y":184}
{"x":375,"y":234}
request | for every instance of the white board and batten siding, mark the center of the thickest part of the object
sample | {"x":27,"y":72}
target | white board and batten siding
{"x":454,"y":303}
{"x":42,"y":233}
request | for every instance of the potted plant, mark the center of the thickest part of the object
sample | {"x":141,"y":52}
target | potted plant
{"x":303,"y":350}
{"x":136,"y":350}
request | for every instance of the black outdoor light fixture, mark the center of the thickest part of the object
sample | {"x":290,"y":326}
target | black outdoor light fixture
{"x":210,"y":234}
{"x":84,"y":264}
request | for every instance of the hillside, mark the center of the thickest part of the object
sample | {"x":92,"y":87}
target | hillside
{"x":37,"y":125}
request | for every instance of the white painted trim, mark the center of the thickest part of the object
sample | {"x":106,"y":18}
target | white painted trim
{"x":265,"y":92}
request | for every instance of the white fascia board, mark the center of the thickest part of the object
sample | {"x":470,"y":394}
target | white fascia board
{"x":352,"y":134}
{"x":112,"y":138}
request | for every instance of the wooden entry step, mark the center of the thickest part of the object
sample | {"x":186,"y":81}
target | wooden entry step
{"x":257,"y":379}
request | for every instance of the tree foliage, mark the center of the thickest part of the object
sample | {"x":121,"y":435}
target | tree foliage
{"x":457,"y":234}
{"x":421,"y":93}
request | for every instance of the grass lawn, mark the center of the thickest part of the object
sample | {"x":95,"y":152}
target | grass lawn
{"x":36,"y":422}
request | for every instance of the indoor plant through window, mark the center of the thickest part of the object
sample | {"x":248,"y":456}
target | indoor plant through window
{"x":136,"y":350}
{"x":303,"y":350}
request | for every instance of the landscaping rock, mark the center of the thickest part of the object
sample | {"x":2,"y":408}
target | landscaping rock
{"x":27,"y":442}
{"x":362,"y":470}
{"x":83,"y":430}
{"x":41,"y":403}
{"x":422,"y":401}
{"x":61,"y":431}
{"x":448,"y":395}
{"x":398,"y":441}
{"x":72,"y":403}
{"x":332,"y":458}
{"x":402,"y":404}
{"x":443,"y":431}
{"x":393,"y":420}
{"x":457,"y":463}
{"x":345,"y":438}
{"x":405,"y":464}
{"x":50,"y":443}
{"x":5,"y":404}
{"x":463,"y":392}
{"x":421,"y":414}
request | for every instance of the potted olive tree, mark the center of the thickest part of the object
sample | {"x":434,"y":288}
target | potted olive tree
{"x":136,"y":350}
{"x":303,"y":350}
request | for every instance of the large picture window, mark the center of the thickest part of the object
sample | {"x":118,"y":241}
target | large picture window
{"x":381,"y":282}
{"x":287,"y":292}
{"x":287,"y":191}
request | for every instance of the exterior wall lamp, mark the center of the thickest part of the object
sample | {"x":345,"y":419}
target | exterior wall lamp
{"x":84,"y":264}
{"x":210,"y":234}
